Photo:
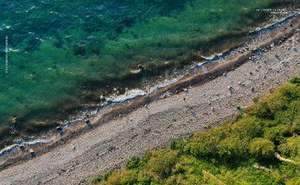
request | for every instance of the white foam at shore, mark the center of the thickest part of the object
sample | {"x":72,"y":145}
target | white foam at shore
{"x":164,"y":84}
{"x":16,"y":147}
{"x":276,"y":22}
{"x":213,"y":57}
{"x":131,"y":94}
{"x":268,"y":27}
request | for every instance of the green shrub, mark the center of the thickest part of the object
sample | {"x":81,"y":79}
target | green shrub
{"x":134,"y":163}
{"x":295,"y":80}
{"x":177,"y":144}
{"x":264,"y":111}
{"x":262,"y":148}
{"x":276,"y":134}
{"x":208,"y":145}
{"x":233,"y":148}
{"x":291,"y":148}
{"x":247,"y":127}
{"x":293,"y":181}
{"x":161,"y":163}
{"x":241,"y":152}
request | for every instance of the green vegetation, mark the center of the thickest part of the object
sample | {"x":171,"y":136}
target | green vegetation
{"x":261,"y":147}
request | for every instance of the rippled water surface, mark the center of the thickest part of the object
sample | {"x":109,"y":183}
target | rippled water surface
{"x":59,"y":49}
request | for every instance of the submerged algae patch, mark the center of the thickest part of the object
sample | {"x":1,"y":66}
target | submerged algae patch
{"x":63,"y":45}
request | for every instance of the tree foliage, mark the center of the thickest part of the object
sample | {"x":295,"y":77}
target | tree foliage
{"x":242,"y":152}
{"x":262,"y":148}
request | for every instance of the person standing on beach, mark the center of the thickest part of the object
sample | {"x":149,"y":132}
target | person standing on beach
{"x":88,"y":121}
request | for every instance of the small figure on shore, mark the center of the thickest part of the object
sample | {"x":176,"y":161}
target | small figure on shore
{"x":22,"y":147}
{"x":141,"y":67}
{"x":67,"y":123}
{"x":240,"y":110}
{"x":191,"y":109}
{"x":88,"y":123}
{"x":231,"y":89}
{"x":147,"y":106}
{"x":60,"y":130}
{"x":213,"y":109}
{"x":87,"y":116}
{"x":32,"y":153}
{"x":102,"y":98}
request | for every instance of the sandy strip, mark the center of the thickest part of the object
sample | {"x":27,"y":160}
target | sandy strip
{"x":199,"y":74}
{"x":200,"y":107}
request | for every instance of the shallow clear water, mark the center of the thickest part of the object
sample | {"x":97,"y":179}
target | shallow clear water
{"x":59,"y":48}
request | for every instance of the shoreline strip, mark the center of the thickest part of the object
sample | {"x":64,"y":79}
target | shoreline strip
{"x":186,"y":81}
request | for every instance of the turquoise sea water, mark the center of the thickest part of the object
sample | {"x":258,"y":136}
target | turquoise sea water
{"x":59,"y":49}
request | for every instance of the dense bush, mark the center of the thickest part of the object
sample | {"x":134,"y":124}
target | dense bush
{"x":262,"y":148}
{"x":255,"y":149}
{"x":291,"y":148}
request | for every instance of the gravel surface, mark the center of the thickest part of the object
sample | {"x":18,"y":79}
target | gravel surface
{"x":198,"y":108}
